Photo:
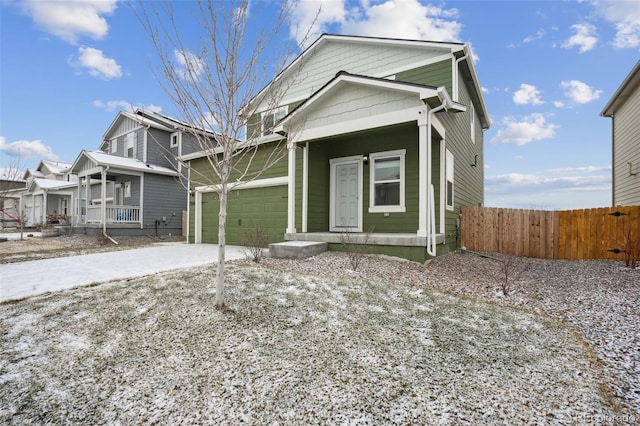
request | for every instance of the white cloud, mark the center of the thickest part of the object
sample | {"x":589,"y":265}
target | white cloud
{"x":579,"y":92}
{"x":538,"y":36}
{"x":392,"y":18}
{"x":70,"y":20}
{"x":124,"y":105}
{"x":558,"y":104}
{"x":625,"y":15}
{"x":585,"y":37}
{"x":97,"y":64}
{"x":313,"y":18}
{"x":531,"y":128}
{"x":27,"y":149}
{"x":527,"y":95}
{"x":567,"y":188}
{"x":188,"y":64}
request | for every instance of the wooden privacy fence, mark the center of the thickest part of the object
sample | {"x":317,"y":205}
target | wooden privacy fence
{"x":572,"y":234}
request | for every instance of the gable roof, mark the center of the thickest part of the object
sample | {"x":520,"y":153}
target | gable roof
{"x":343,"y":78}
{"x":123,"y":163}
{"x":631,"y":83}
{"x":51,"y":184}
{"x":461,"y":51}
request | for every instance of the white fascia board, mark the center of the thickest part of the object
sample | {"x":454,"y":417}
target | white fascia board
{"x":366,"y":123}
{"x":258,"y":183}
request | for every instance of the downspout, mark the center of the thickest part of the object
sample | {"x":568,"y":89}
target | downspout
{"x":431,"y":213}
{"x":104,"y":205}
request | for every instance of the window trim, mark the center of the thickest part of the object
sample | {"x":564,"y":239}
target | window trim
{"x":275,"y":111}
{"x":449,"y":173}
{"x":178,"y":139}
{"x":131,"y":144}
{"x":373,"y":157}
{"x":472,"y":119}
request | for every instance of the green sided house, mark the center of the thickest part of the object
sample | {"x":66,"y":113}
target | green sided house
{"x":385,"y":141}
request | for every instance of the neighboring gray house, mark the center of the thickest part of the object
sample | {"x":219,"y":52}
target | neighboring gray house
{"x":624,"y":110}
{"x":134,"y":185}
{"x":49,"y":195}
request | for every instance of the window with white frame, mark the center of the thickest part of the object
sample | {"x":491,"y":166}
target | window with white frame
{"x":271,"y":118}
{"x":113,"y":145}
{"x":131,"y":145}
{"x":449,"y":180}
{"x":473,"y":123}
{"x":127,"y":190}
{"x":387,"y":181}
{"x":175,"y":139}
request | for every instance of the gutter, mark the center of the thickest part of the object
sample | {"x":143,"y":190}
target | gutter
{"x":456,"y":90}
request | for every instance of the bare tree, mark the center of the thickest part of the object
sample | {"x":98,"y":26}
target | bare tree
{"x":11,"y":186}
{"x":212,"y":83}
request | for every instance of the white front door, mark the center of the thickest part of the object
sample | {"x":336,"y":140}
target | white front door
{"x":346,"y":199}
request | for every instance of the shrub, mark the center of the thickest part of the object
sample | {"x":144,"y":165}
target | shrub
{"x":254,"y":240}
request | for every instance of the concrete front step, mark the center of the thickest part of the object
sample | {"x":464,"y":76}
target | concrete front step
{"x":296,"y":249}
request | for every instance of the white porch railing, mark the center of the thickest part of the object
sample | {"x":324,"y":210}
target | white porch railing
{"x":115,"y":214}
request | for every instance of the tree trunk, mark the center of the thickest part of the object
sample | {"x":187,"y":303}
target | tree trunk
{"x":222,"y":223}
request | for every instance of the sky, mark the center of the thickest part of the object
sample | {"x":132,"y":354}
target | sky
{"x":547,"y":69}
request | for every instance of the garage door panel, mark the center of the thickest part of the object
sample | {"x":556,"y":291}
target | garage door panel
{"x":247,"y":208}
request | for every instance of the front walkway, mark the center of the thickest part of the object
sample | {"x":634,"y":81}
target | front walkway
{"x":23,"y":279}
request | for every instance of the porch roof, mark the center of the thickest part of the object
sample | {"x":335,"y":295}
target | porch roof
{"x":51,"y":184}
{"x":100,"y":158}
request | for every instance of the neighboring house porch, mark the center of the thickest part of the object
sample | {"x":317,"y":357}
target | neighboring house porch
{"x":124,"y":194}
{"x":48,"y":201}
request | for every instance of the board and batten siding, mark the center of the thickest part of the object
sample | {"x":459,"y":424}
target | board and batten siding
{"x":626,"y":148}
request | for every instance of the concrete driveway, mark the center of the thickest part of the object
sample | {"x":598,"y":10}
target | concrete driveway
{"x":23,"y":279}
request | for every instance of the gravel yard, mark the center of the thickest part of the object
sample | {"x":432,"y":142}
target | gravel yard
{"x":600,"y":300}
{"x":33,"y":248}
{"x":312,"y":341}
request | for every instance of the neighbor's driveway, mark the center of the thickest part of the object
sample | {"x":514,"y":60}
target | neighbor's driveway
{"x":23,"y":279}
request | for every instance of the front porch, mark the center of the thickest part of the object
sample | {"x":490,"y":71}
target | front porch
{"x":114,"y":214}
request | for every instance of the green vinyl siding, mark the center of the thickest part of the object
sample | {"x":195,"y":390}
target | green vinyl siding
{"x":468,"y":180}
{"x":202,"y":173}
{"x":437,"y":75}
{"x":380,"y":140}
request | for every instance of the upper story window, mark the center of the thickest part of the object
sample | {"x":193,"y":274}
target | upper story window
{"x":387,"y":182}
{"x":113,"y":146}
{"x":130,"y":148}
{"x":449,"y":179}
{"x":176,"y":137}
{"x":473,"y":123}
{"x":271,"y":118}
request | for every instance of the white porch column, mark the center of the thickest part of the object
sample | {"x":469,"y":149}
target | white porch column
{"x":103,"y":195}
{"x":87,"y":192}
{"x":424,"y":171}
{"x":44,"y":206}
{"x":291,"y":184}
{"x":78,"y":207}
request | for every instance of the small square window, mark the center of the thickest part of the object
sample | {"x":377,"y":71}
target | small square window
{"x":270,"y":119}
